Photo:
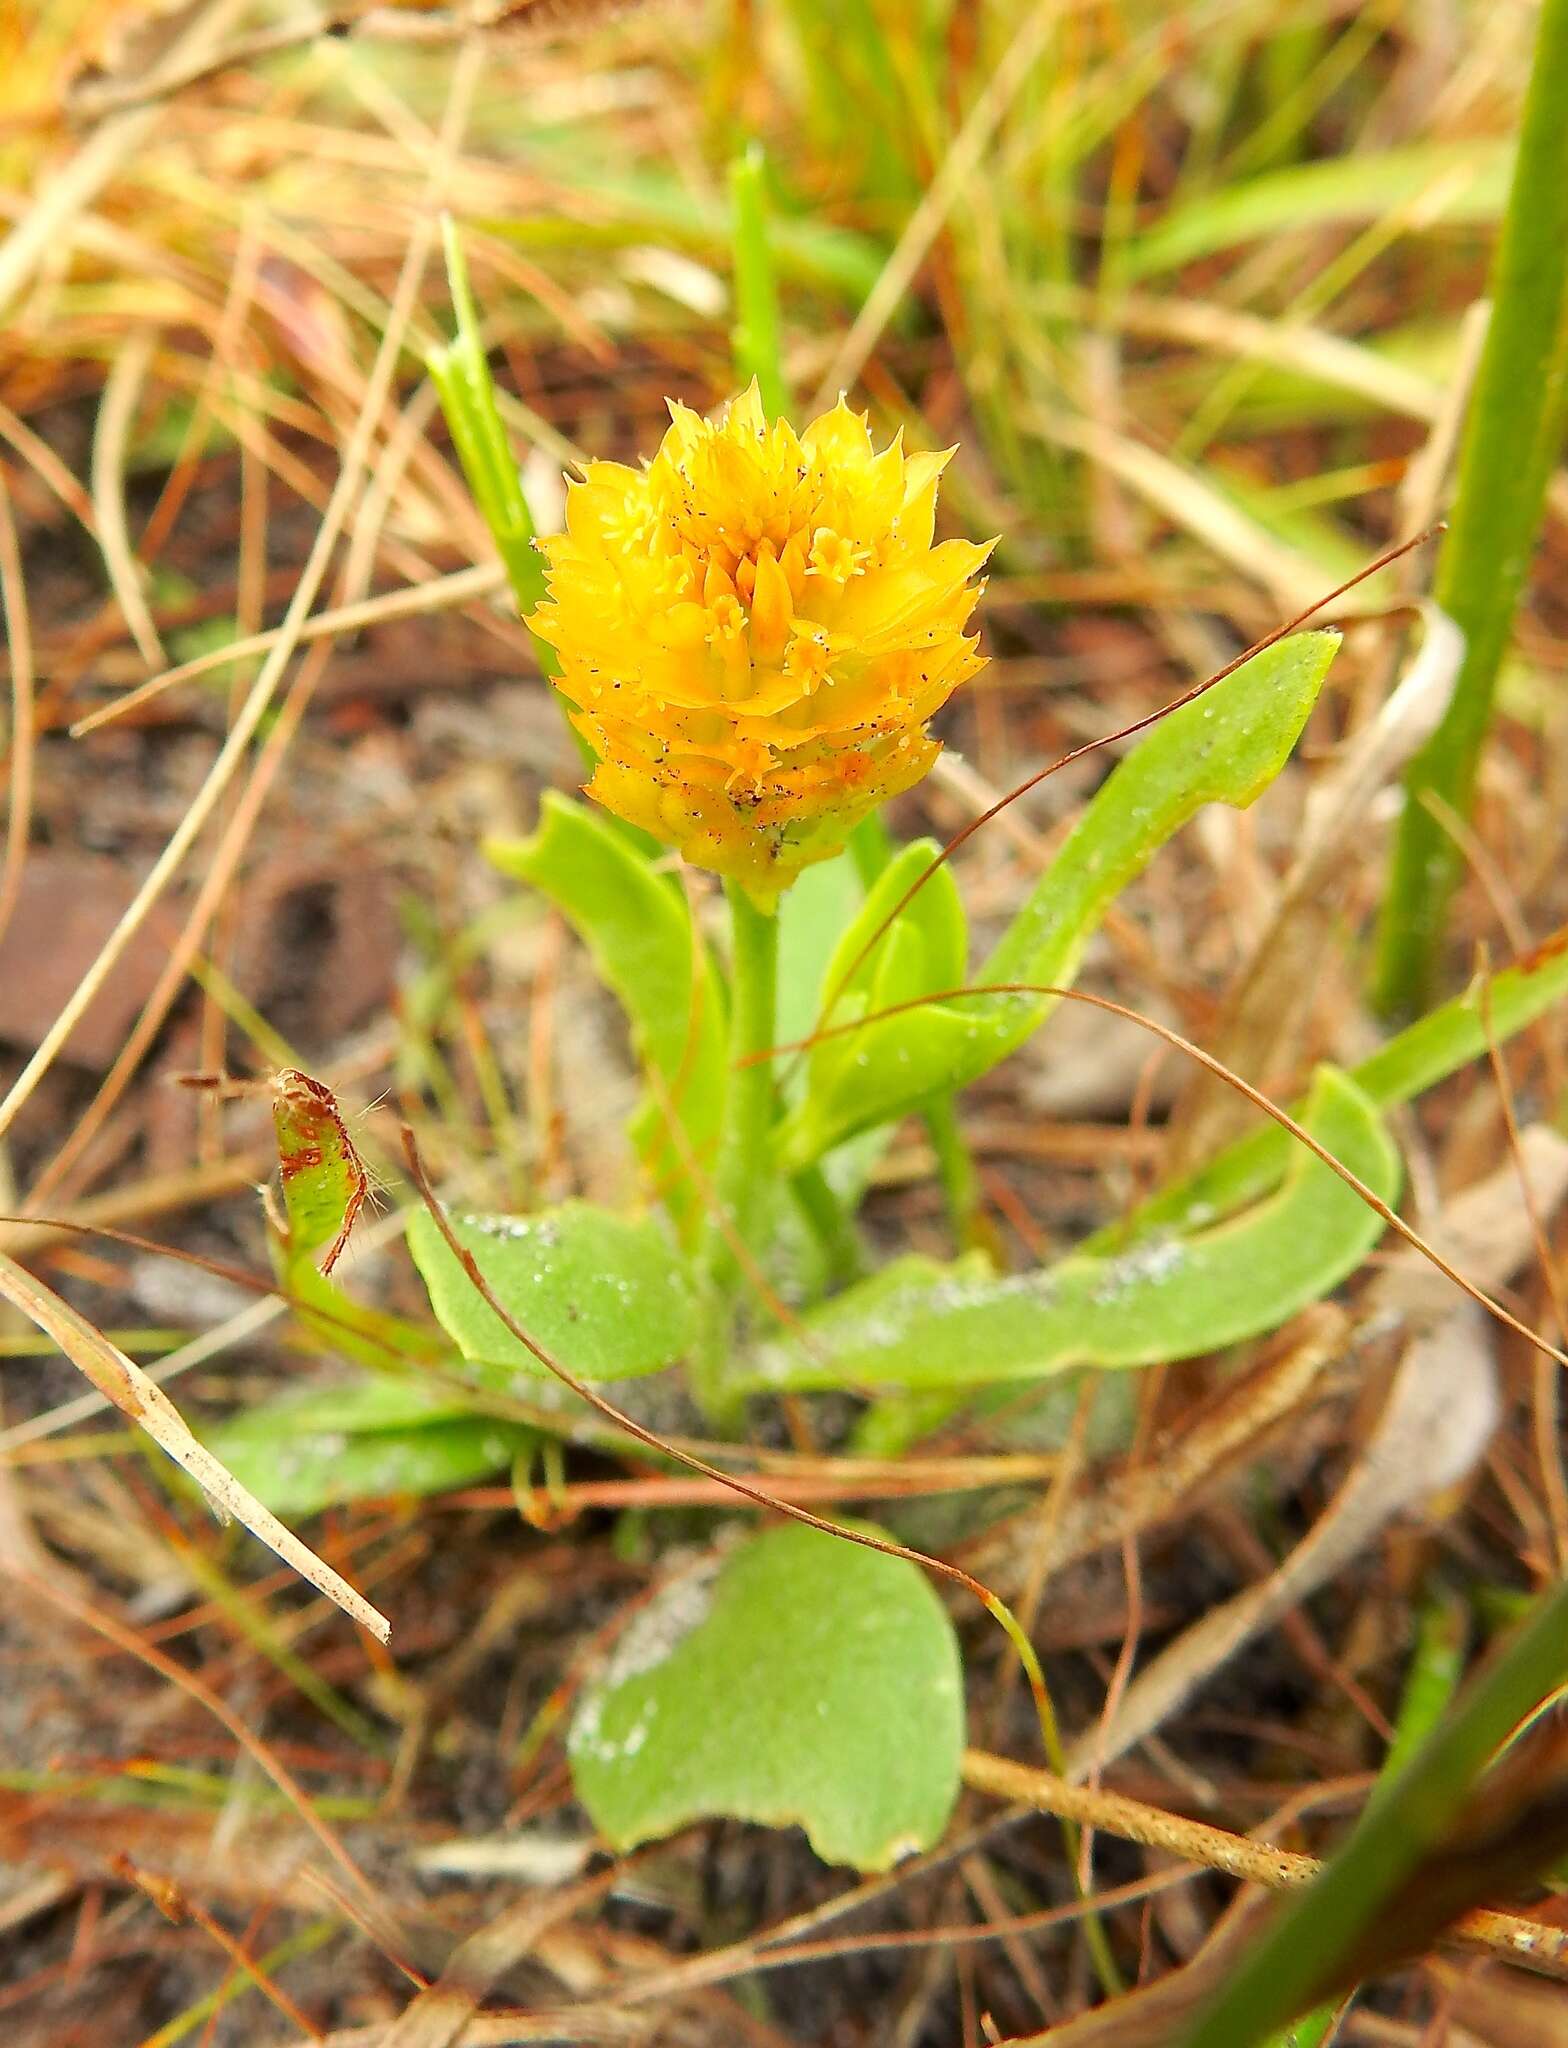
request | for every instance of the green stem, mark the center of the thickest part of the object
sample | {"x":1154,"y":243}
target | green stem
{"x":1095,"y":1936}
{"x":1310,"y":2032}
{"x":1511,"y":444}
{"x":956,"y":1168}
{"x":831,"y":1224}
{"x":744,"y":1171}
{"x":871,"y":848}
{"x":1436,"y":1668}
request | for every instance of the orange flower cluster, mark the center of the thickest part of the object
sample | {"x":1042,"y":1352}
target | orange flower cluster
{"x":754,"y":630}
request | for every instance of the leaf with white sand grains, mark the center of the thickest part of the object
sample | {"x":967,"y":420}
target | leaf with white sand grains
{"x":796,"y":1679}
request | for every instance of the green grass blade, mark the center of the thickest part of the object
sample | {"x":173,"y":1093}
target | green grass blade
{"x":1469,"y":177}
{"x":1317,"y":1932}
{"x":460,"y":372}
{"x":758,"y":350}
{"x":1511,"y":444}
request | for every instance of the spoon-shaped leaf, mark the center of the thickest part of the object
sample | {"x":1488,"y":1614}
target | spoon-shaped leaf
{"x":795,"y":1680}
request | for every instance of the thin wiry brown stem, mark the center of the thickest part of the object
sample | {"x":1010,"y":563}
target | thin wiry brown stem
{"x":585,"y":1392}
{"x":1109,"y":739}
{"x":1255,"y":1096}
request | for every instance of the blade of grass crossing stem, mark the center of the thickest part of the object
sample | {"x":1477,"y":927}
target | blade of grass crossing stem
{"x":1315,"y":1934}
{"x":1096,"y":1940}
{"x":1511,"y":443}
{"x":460,"y":372}
{"x":238,"y":1982}
{"x":758,"y":351}
{"x":1436,"y":1666}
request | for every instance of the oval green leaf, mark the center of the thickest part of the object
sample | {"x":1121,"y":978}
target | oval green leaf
{"x":797,"y":1680}
{"x":608,"y":1296}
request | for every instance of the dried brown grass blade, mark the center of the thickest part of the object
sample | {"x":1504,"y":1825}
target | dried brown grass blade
{"x":438,"y":2016}
{"x":463,"y":586}
{"x":120,"y":1380}
{"x":236,"y":750}
{"x":116,"y":410}
{"x":18,"y":629}
{"x":69,"y":190}
{"x":1185,"y":496}
{"x":1533,"y":1943}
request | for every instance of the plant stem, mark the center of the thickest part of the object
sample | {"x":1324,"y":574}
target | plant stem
{"x":1430,"y":1683}
{"x":832,"y":1225}
{"x":870,"y":848}
{"x":1310,"y":2032}
{"x":960,"y":1182}
{"x":1095,"y":1937}
{"x":743,"y":1175}
{"x":1511,"y":444}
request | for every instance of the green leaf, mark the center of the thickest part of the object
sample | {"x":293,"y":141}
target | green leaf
{"x":638,"y":928}
{"x":1464,"y":181}
{"x":325,"y":1186}
{"x":460,"y":372}
{"x":813,"y":914}
{"x":1166,"y":1297}
{"x":607,"y":1295}
{"x":813,"y":1246}
{"x":1224,"y":747}
{"x":925,"y":948}
{"x":796,"y":1680}
{"x":1414,"y":1060}
{"x":321,"y":1446}
{"x":923,"y":952}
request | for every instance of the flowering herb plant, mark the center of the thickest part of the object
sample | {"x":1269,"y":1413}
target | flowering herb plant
{"x":751,"y":634}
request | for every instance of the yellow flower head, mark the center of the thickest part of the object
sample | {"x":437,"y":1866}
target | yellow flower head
{"x":754,"y":629}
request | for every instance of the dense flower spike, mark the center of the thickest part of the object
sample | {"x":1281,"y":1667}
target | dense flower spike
{"x":755,"y":629}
